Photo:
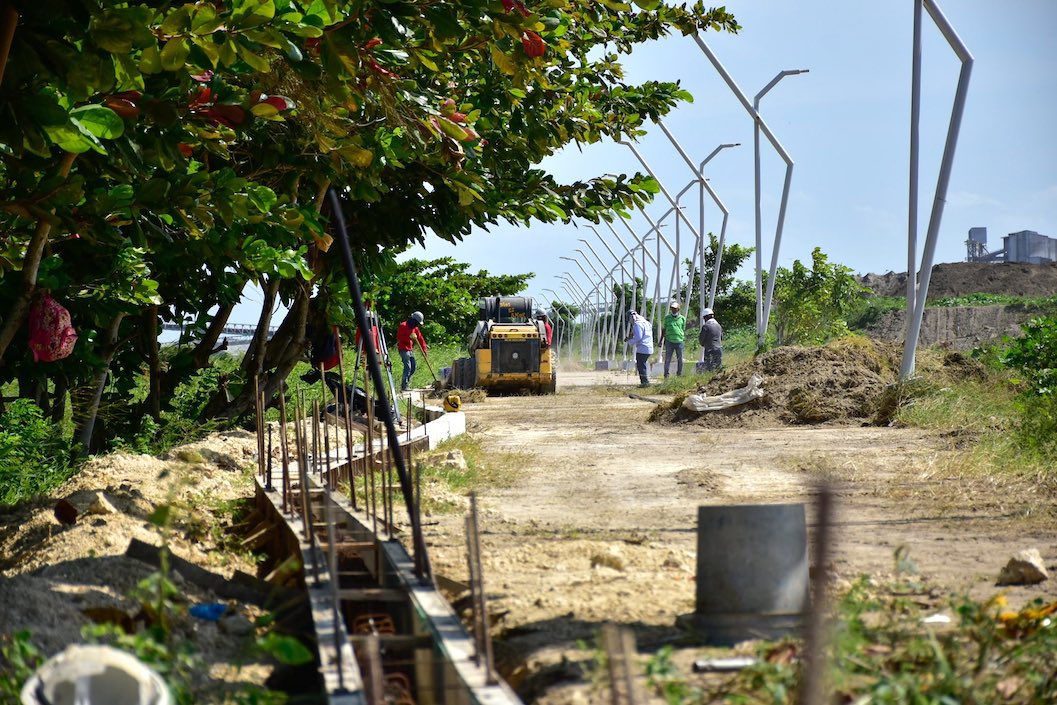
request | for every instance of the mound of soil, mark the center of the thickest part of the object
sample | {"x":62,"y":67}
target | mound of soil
{"x":840,"y":383}
{"x":963,"y":278}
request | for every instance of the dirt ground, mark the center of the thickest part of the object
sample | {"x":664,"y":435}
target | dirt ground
{"x":600,"y":525}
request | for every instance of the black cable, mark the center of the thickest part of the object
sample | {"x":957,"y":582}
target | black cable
{"x":375,"y":370}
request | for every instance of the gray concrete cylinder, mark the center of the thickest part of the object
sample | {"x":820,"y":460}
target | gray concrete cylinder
{"x":95,"y":675}
{"x":752,"y":572}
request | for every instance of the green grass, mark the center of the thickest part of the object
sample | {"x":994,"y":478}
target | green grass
{"x":484,"y":469}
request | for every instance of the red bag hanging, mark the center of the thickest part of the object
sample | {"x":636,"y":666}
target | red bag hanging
{"x":51,"y":337}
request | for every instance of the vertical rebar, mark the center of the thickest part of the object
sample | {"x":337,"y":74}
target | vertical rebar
{"x":482,"y":606}
{"x":260,"y":426}
{"x":283,"y":444}
{"x":268,"y":478}
{"x":347,"y":417}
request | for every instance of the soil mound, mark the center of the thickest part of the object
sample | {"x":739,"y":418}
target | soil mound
{"x":841,"y":382}
{"x":963,"y":278}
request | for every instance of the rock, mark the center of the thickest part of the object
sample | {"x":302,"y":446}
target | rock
{"x":455,"y":461}
{"x":236,"y":625}
{"x":610,"y":559}
{"x":100,"y":505}
{"x":673,"y":561}
{"x":1025,"y":568}
{"x":65,"y":512}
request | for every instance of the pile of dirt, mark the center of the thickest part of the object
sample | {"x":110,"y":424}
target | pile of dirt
{"x":842,"y":382}
{"x":964,"y":278}
{"x":55,"y":573}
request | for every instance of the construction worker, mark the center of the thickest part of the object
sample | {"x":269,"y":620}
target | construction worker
{"x":541,"y":315}
{"x":641,"y":338}
{"x":406,"y":333}
{"x":711,"y":339}
{"x":673,"y":333}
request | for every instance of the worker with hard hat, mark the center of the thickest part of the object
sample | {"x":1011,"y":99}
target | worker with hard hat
{"x":711,"y":339}
{"x":673,"y":333}
{"x":406,"y":333}
{"x":641,"y":339}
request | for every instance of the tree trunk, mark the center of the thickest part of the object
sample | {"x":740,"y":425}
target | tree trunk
{"x":150,"y":341}
{"x":280,"y":356}
{"x":8,"y":23}
{"x":253,"y":362}
{"x":183,"y":365}
{"x":58,"y":400}
{"x":86,"y":423}
{"x":30,"y":265}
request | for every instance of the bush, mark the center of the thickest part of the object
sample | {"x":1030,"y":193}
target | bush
{"x":34,"y":458}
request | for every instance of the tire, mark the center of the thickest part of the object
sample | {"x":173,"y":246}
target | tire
{"x":551,"y":387}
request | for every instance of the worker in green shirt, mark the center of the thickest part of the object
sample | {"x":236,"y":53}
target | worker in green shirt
{"x":673,"y":332}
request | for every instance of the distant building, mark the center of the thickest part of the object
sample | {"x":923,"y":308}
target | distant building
{"x":1025,"y":246}
{"x":1028,"y":246}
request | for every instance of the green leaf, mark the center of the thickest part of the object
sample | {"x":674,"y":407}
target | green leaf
{"x":262,"y":197}
{"x":160,"y":516}
{"x":44,"y":110}
{"x":100,"y":120}
{"x":251,"y":57}
{"x":251,"y":13}
{"x":205,"y":20}
{"x":178,"y":21}
{"x":285,"y":649}
{"x":174,"y":54}
{"x":73,"y":139}
{"x":150,"y":60}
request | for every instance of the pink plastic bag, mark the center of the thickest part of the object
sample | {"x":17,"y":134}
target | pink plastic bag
{"x":51,"y":337}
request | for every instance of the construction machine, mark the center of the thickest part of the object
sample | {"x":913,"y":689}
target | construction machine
{"x":508,"y":350}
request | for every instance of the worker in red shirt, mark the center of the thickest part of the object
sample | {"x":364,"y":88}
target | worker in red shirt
{"x":541,"y":315}
{"x":406,"y":333}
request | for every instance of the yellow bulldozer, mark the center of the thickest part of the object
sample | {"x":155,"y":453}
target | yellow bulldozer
{"x":508,"y":350}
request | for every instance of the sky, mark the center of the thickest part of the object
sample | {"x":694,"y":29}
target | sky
{"x":846,"y":126}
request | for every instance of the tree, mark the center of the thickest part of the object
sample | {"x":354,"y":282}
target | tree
{"x":734,"y":256}
{"x":810,"y":305}
{"x":445,"y":291}
{"x":199,"y":139}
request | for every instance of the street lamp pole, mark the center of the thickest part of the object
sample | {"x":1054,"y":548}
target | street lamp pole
{"x":765,"y":317}
{"x":761,"y":125}
{"x":591,"y":345}
{"x":699,"y":172}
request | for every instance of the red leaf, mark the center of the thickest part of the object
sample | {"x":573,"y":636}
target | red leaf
{"x":372,"y":44}
{"x":279,"y":102}
{"x":533,"y":44}
{"x":230,"y":115}
{"x":204,"y":95}
{"x":204,"y":77}
{"x":122,"y":106}
{"x":185,"y":149}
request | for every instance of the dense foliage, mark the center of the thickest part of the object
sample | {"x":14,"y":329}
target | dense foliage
{"x":811,"y":305}
{"x":157,"y":159}
{"x":443,"y":290}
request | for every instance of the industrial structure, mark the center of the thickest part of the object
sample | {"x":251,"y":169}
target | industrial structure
{"x":1025,"y":246}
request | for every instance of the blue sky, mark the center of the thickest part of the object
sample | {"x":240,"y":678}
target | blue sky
{"x":846,"y":126}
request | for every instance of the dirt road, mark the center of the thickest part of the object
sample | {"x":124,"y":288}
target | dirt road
{"x":600,"y":524}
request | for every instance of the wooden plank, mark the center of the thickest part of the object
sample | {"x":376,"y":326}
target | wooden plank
{"x":373,"y":594}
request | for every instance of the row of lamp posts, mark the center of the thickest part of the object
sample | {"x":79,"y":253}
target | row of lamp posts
{"x":606,"y":330}
{"x":601,"y":333}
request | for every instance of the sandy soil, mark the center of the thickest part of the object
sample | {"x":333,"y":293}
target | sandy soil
{"x":601,"y":524}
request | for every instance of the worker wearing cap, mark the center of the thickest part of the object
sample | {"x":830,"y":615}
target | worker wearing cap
{"x":711,"y":339}
{"x":673,"y":333}
{"x":406,"y":334}
{"x":641,"y":338}
{"x":541,"y":315}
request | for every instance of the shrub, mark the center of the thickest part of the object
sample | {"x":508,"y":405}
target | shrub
{"x":34,"y":458}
